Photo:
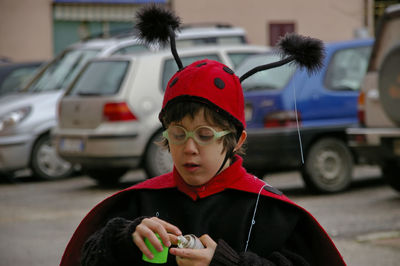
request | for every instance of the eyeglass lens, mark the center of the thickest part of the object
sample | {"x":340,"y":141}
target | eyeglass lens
{"x":201,"y":135}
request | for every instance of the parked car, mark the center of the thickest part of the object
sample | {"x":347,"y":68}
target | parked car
{"x":377,"y":139}
{"x":14,"y":76}
{"x":27,"y":119}
{"x":323,"y":105}
{"x":212,"y":34}
{"x":108,"y":118}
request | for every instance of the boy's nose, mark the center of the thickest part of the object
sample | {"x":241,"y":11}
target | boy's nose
{"x":190,"y":146}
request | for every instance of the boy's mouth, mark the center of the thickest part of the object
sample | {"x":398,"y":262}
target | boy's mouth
{"x":191,"y":166}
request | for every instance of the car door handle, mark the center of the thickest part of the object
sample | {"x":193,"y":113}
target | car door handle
{"x":373,"y":94}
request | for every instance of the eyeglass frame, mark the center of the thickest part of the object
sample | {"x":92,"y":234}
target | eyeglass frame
{"x":191,"y":134}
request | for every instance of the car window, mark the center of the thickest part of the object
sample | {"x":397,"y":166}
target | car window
{"x":223,"y":40}
{"x":61,"y":72}
{"x":238,"y":57}
{"x":17,"y":79}
{"x":100,"y":78}
{"x":170,"y":66}
{"x":347,"y":68}
{"x":131,"y":49}
{"x":231,"y":40}
{"x":275,"y":78}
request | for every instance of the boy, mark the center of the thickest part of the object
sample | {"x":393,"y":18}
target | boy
{"x":239,"y":219}
{"x":208,"y":194}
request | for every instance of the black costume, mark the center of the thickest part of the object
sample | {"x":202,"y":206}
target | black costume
{"x":283,"y":233}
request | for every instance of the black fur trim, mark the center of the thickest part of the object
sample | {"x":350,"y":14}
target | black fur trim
{"x":154,"y":24}
{"x":306,"y":51}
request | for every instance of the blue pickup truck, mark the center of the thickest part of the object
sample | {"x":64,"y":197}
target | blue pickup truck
{"x":298,"y":121}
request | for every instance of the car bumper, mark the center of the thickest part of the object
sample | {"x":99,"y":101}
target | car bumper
{"x":15,"y":152}
{"x":375,"y":145}
{"x":272,"y":149}
{"x":282,"y":148}
{"x":105,"y":150}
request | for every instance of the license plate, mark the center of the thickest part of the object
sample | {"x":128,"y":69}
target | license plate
{"x":71,"y":145}
{"x":396,"y":147}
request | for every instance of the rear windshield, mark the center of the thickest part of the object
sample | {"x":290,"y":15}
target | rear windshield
{"x":275,"y":78}
{"x":170,"y":66}
{"x":100,"y":78}
{"x":61,"y":72}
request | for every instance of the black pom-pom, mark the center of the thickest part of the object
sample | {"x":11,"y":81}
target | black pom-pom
{"x":307,"y":52}
{"x":154,"y":24}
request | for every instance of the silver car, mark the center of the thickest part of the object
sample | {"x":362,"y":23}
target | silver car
{"x":108,"y":118}
{"x":27,"y":118}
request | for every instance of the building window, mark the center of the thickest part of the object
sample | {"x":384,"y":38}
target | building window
{"x":278,"y":30}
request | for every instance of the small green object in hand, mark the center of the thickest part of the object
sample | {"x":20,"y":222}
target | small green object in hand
{"x":159,"y":257}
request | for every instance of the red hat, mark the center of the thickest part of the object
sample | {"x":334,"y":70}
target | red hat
{"x":209,"y":82}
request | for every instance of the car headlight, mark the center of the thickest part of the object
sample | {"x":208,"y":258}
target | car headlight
{"x":14,"y":117}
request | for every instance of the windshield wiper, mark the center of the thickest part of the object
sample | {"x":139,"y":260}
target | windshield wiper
{"x":89,"y":94}
{"x":259,"y":88}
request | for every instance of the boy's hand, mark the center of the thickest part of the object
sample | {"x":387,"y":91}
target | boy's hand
{"x":187,"y":256}
{"x":148,"y":228}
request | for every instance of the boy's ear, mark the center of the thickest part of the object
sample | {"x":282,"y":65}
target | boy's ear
{"x":241,"y":140}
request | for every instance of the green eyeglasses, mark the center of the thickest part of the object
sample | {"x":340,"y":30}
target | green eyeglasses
{"x":203,"y":135}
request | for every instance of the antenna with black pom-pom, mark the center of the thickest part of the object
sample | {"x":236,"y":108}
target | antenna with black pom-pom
{"x":306,"y":52}
{"x":158,"y":25}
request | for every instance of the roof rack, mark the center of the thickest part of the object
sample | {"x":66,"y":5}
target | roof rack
{"x":114,"y":33}
{"x":207,"y":24}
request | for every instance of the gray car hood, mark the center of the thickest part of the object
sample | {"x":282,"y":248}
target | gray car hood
{"x":11,"y":102}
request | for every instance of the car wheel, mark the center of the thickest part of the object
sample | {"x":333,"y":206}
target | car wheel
{"x":391,"y":175}
{"x":328,"y":166}
{"x":157,"y":160}
{"x":45,"y":162}
{"x":105,"y":176}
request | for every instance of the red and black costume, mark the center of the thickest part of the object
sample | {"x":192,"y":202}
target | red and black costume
{"x":283,"y":233}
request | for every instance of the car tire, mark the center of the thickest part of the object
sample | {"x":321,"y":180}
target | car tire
{"x":328,"y":166}
{"x":391,"y":175}
{"x":157,"y":160}
{"x":105,"y":176}
{"x":45,"y":162}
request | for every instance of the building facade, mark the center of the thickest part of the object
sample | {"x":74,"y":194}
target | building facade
{"x":39,"y":29}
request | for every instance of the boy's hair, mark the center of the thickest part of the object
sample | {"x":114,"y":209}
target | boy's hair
{"x":177,"y":111}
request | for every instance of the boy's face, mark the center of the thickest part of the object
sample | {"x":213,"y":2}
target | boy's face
{"x":197,"y":164}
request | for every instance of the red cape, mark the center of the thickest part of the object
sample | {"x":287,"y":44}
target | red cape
{"x":323,"y":247}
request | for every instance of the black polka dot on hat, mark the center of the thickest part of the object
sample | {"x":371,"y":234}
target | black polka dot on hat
{"x":201,"y":64}
{"x":173,"y":82}
{"x":219,"y":83}
{"x":228,"y":70}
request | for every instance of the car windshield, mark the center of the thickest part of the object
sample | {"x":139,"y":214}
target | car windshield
{"x":275,"y":78}
{"x":61,"y":72}
{"x":100,"y":78}
{"x":17,"y":79}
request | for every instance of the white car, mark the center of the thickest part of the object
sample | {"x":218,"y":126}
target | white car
{"x":108,"y":118}
{"x":26,"y":119}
